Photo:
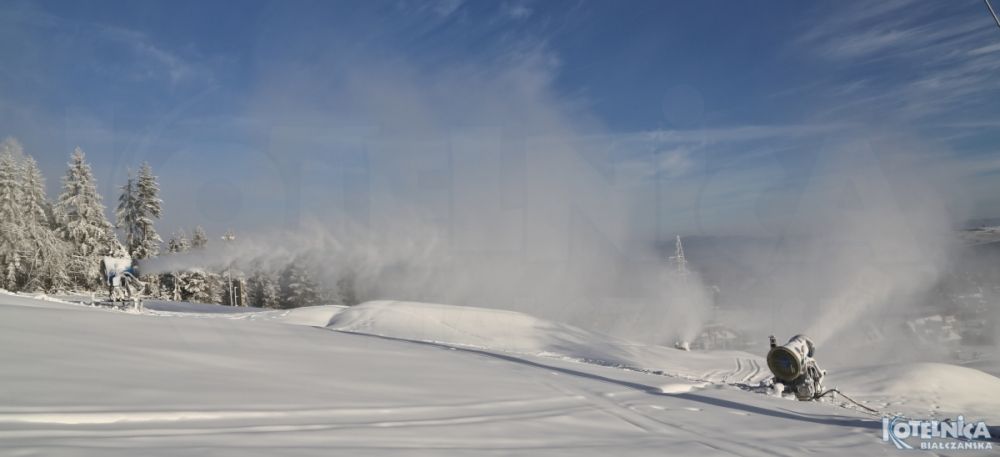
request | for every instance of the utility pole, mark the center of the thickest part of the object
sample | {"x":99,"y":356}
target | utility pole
{"x":230,"y":237}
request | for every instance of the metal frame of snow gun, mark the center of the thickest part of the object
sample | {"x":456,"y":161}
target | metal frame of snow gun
{"x":121,"y":277}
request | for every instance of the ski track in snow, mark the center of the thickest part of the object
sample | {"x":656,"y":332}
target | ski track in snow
{"x":357,"y":415}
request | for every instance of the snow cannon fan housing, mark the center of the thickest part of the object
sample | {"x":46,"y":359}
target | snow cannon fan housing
{"x":788,"y":361}
{"x":113,"y":267}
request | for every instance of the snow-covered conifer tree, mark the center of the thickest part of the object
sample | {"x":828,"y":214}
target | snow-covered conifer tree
{"x":127,"y":213}
{"x":33,"y":192}
{"x":183,"y":242}
{"x":137,"y":205}
{"x":178,"y":242}
{"x":12,"y":146}
{"x":173,"y":283}
{"x":173,"y":245}
{"x":198,"y":285}
{"x":12,"y":230}
{"x":199,"y":240}
{"x":80,"y":215}
{"x":45,"y":260}
{"x":207,"y":284}
{"x":296,"y":288}
{"x":194,"y":286}
{"x":151,"y":206}
{"x":214,"y":287}
{"x":261,"y":291}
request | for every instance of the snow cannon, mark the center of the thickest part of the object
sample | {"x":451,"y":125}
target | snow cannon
{"x":794,"y":368}
{"x":786,"y":362}
{"x":121,"y":276}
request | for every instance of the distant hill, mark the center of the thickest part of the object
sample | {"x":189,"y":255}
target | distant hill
{"x":987,"y":222}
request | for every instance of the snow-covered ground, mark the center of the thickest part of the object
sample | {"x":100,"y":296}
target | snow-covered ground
{"x":410,"y":378}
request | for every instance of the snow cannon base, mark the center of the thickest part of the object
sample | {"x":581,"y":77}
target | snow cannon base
{"x":134,"y":305}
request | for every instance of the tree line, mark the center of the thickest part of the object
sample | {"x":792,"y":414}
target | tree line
{"x":56,"y":247}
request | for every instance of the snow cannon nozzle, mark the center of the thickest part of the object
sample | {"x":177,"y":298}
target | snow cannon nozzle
{"x":792,"y":364}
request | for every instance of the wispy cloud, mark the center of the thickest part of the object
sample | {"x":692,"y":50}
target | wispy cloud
{"x":119,"y":53}
{"x":913,"y":60}
{"x":151,"y":61}
{"x":515,"y":10}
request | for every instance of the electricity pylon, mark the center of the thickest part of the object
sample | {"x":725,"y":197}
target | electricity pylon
{"x":678,"y":260}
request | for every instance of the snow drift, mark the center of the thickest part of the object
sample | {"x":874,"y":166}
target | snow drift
{"x":511,"y":331}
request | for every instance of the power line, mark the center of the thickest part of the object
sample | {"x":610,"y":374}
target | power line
{"x":992,"y":12}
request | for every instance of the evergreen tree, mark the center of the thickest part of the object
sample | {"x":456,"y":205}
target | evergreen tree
{"x":12,"y":146}
{"x":50,"y":215}
{"x":12,"y":230}
{"x":261,"y":291}
{"x":178,"y":242}
{"x":173,"y":283}
{"x":296,"y":288}
{"x":47,"y":255}
{"x":173,"y":245}
{"x":172,"y":286}
{"x":150,"y":206}
{"x":80,"y":215}
{"x":208,"y":284}
{"x":137,"y":205}
{"x":127,"y":214}
{"x":199,"y":241}
{"x":229,"y":237}
{"x":33,"y":200}
{"x":213,"y":289}
{"x":195,"y":287}
{"x":198,"y":285}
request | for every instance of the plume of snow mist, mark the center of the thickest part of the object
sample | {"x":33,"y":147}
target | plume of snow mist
{"x":868,"y":239}
{"x":482,"y":187}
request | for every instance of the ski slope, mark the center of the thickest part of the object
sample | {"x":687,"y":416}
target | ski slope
{"x":388,"y":378}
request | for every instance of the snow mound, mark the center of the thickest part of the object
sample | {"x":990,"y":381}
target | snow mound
{"x":313,"y":316}
{"x":923,"y":390}
{"x":480,"y":327}
{"x":511,"y":331}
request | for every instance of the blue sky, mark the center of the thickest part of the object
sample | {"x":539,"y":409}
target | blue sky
{"x":701,"y":117}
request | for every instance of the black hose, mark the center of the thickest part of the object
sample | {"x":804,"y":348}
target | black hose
{"x":845,"y":396}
